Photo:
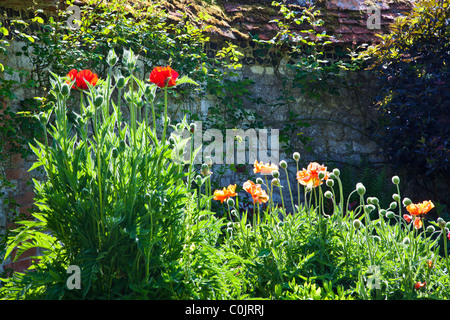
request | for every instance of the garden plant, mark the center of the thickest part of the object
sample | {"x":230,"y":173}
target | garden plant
{"x":140,"y":221}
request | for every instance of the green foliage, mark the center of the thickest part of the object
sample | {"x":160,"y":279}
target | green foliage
{"x":115,"y":205}
{"x":411,"y":64}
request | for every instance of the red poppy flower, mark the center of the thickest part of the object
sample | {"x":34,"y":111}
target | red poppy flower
{"x":72,"y":75}
{"x":420,"y":285}
{"x":163,"y":76}
{"x":407,"y":217}
{"x":82,"y":77}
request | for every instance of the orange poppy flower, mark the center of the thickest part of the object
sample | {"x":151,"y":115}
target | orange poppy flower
{"x":420,"y":208}
{"x":264,"y":168}
{"x":257,"y":193}
{"x":310,"y":176}
{"x":224,"y":194}
{"x":418,"y":223}
{"x":163,"y":76}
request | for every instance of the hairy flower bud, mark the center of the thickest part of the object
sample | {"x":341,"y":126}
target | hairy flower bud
{"x":111,"y":59}
{"x":396,"y":197}
{"x":65,"y":89}
{"x":330,"y":183}
{"x":389,"y":214}
{"x":283,"y":164}
{"x":275,"y":181}
{"x":230,"y":202}
{"x":336,"y":172}
{"x":328,"y":194}
{"x":192,"y":127}
{"x":395,"y":180}
{"x":393,"y":205}
{"x":115,"y":153}
{"x":357,"y":223}
{"x":98,"y":101}
{"x":121,"y":82}
{"x":406,"y":202}
{"x":275,"y":173}
{"x":209,"y":161}
{"x":369,"y":208}
{"x":296,"y":156}
{"x":259,"y":181}
{"x":360,"y":188}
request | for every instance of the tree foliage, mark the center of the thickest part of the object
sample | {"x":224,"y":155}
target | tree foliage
{"x":412,"y":65}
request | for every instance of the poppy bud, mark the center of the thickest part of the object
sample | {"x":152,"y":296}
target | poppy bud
{"x":407,"y":202}
{"x":393,"y":205}
{"x":275,"y":174}
{"x":208,"y":161}
{"x":115,"y":153}
{"x":98,"y":101}
{"x":198,"y":180}
{"x":395,"y":180}
{"x":275,"y":182}
{"x":376,"y":239}
{"x":296,"y":156}
{"x":336,"y":172}
{"x":369,"y":208}
{"x":192,"y":127}
{"x":230,"y":202}
{"x":389,"y":214}
{"x":396,"y":197}
{"x":357,"y":223}
{"x":441,"y":223}
{"x":330,"y":183}
{"x":430,"y":229}
{"x":259,"y":181}
{"x":406,"y":241}
{"x":65,"y":89}
{"x":283,"y":164}
{"x":120,"y":82}
{"x":360,"y":188}
{"x":122,"y":144}
{"x":111,"y":59}
{"x":328,"y":195}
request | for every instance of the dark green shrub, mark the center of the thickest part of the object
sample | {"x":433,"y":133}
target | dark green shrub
{"x":411,"y":64}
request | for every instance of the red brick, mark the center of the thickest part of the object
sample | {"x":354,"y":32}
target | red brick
{"x":26,"y":209}
{"x":17,"y":161}
{"x":19,"y":266}
{"x":25,"y":198}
